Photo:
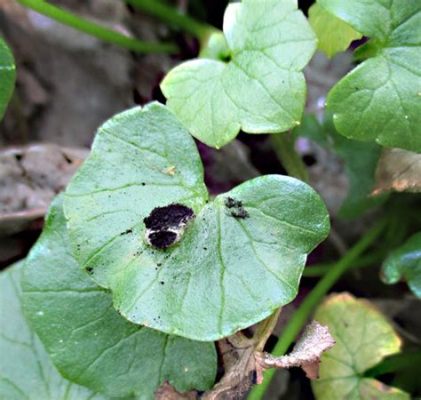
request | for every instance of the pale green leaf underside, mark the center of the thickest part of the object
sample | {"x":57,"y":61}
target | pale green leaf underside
{"x":363,"y":338}
{"x":261,"y":89}
{"x":380,"y":100}
{"x":89,"y":342}
{"x":333,"y":34}
{"x":7,"y":76}
{"x":226,"y":273}
{"x":26,"y":372}
{"x":405,"y":263}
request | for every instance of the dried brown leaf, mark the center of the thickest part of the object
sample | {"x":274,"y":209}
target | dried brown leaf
{"x":398,"y":170}
{"x":167,"y":392}
{"x":306,"y":354}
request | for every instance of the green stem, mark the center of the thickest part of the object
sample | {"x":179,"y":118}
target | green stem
{"x":395,"y":363}
{"x":321,"y":269}
{"x":96,"y":30}
{"x":171,"y":16}
{"x":283,"y":145}
{"x":301,"y":315}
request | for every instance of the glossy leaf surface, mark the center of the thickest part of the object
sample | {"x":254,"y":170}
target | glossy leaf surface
{"x":259,"y":88}
{"x":235,"y":263}
{"x":89,"y":342}
{"x":26,"y":371}
{"x":380,"y":100}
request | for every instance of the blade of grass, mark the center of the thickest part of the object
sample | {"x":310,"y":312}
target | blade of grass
{"x":96,"y":30}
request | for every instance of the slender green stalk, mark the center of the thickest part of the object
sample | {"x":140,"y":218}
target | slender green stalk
{"x":301,"y":315}
{"x":283,"y":145}
{"x":321,"y":269}
{"x":96,"y":30}
{"x":171,"y":16}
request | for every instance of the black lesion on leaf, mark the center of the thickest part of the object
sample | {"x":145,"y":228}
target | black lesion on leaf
{"x":168,"y":216}
{"x":126,"y":232}
{"x":236,"y":208}
{"x":162,"y":239}
{"x":165,"y":225}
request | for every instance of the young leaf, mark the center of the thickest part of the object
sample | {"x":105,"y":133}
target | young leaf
{"x":363,"y":338}
{"x":238,"y":260}
{"x":260,"y":89}
{"x":333,"y":34}
{"x":88,"y":341}
{"x":26,"y":371}
{"x":405,"y":263}
{"x":7,"y":76}
{"x":380,"y":100}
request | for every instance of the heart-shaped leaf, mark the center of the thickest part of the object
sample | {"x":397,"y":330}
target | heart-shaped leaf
{"x":333,"y":34}
{"x":7,"y":76}
{"x":405,"y":263}
{"x":26,"y":371}
{"x":238,"y":260}
{"x":260,"y":88}
{"x":363,"y":338}
{"x":380,"y":100}
{"x":88,"y":341}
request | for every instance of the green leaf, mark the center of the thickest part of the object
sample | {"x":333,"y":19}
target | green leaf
{"x":88,"y":341}
{"x":227,"y":272}
{"x":7,"y":76}
{"x":26,"y":371}
{"x":333,"y":34}
{"x":380,"y":100}
{"x":405,"y":263}
{"x":261,"y":89}
{"x":360,"y":162}
{"x":363,"y":338}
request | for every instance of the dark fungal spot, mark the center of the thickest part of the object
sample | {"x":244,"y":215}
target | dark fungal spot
{"x":89,"y":270}
{"x":231,"y":203}
{"x":240,"y":213}
{"x":162,"y":239}
{"x":126,"y":232}
{"x":236,"y":208}
{"x":168,"y":216}
{"x":165,"y":225}
{"x":162,"y":282}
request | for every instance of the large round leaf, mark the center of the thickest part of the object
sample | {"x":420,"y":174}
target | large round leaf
{"x":363,"y":338}
{"x":26,"y":371}
{"x":238,"y":260}
{"x":380,"y":99}
{"x":261,"y":89}
{"x":88,"y":341}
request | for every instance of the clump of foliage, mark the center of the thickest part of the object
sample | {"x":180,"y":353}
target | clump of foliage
{"x":140,"y":277}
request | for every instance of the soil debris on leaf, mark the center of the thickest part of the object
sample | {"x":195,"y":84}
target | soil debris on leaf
{"x":236,"y":208}
{"x":165,"y":225}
